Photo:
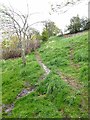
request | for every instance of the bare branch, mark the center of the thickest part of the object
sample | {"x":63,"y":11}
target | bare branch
{"x":64,"y":6}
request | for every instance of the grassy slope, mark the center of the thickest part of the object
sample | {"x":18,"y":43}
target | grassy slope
{"x":14,"y":76}
{"x":53,"y":96}
{"x":57,"y":54}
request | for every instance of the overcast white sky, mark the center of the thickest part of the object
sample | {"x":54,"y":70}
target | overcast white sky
{"x":43,"y":7}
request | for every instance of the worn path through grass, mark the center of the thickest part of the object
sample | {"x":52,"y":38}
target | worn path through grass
{"x":29,"y":89}
{"x":53,"y":84}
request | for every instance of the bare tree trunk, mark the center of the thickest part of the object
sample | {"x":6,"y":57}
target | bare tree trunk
{"x":23,"y":50}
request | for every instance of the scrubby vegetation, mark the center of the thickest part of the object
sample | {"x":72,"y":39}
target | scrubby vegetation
{"x":12,"y":48}
{"x":62,"y":94}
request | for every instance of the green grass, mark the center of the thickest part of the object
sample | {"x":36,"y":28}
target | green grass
{"x":56,"y":54}
{"x":53,"y":97}
{"x":14,"y":75}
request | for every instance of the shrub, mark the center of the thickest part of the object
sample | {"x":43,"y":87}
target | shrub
{"x":45,"y":35}
{"x":7,"y":53}
{"x":34,"y":44}
{"x":12,"y":49}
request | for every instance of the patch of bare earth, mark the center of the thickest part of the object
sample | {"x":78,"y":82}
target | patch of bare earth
{"x":25,"y":92}
{"x":8,"y":108}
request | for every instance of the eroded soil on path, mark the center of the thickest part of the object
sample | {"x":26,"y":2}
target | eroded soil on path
{"x":46,"y":69}
{"x":70,"y":80}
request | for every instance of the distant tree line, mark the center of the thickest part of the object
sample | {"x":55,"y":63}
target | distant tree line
{"x":78,"y":24}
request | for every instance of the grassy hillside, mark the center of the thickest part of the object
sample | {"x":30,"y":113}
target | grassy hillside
{"x":63,"y":93}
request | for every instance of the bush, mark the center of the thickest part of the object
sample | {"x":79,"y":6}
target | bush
{"x":45,"y":35}
{"x":11,"y":49}
{"x":34,"y":44}
{"x":7,"y":53}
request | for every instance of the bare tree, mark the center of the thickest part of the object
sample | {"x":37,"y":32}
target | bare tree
{"x":15,"y":22}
